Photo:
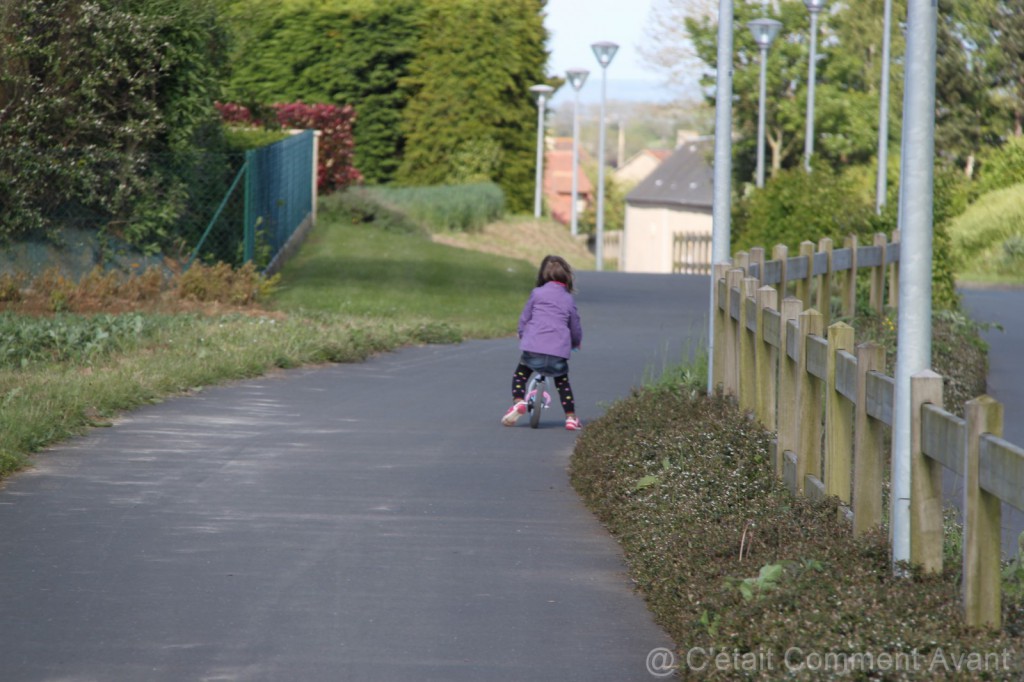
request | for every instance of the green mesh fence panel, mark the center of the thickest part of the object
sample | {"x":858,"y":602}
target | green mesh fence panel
{"x":279,"y":195}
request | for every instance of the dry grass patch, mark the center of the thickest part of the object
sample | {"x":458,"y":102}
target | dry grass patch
{"x":526,"y":239}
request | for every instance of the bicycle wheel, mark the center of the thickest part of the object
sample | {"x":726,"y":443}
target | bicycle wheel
{"x":537,"y":402}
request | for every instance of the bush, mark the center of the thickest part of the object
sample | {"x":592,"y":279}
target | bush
{"x":1002,"y":167}
{"x":979,"y":233}
{"x":336,"y":147}
{"x":92,"y":94}
{"x":797,"y":206}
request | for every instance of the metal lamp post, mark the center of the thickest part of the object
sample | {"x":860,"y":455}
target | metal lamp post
{"x":883,"y":112}
{"x":764,"y":32}
{"x":542,"y":92}
{"x":577,"y":77}
{"x":814,"y":7}
{"x":605,"y":52}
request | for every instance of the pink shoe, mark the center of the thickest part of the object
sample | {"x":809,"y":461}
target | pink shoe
{"x":572,"y":424}
{"x":514,"y":413}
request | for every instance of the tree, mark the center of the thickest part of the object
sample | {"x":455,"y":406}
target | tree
{"x":468,"y":85}
{"x":337,"y":52}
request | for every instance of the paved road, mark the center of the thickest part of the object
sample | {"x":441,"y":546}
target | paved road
{"x":368,"y":522}
{"x":1004,"y":307}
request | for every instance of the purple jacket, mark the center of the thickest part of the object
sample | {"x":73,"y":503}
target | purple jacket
{"x":550,"y":323}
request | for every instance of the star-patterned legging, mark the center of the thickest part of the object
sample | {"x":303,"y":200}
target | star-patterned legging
{"x":522,"y":376}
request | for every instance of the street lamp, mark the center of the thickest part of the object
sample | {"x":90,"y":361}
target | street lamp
{"x":577,"y":77}
{"x":883,"y":112}
{"x":605,"y":52}
{"x":764,"y":31}
{"x":542,"y":92}
{"x":814,"y":7}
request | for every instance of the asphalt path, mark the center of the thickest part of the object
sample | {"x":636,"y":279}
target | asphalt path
{"x":1003,"y":311}
{"x":366,"y":522}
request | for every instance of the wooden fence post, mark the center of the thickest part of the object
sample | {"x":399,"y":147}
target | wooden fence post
{"x":742,"y":261}
{"x":809,"y":393}
{"x":791,"y":308}
{"x":926,"y":528}
{"x":780,"y":253}
{"x":747,"y":349}
{"x":850,"y":279}
{"x":825,"y":284}
{"x":838,"y":420}
{"x":767,"y":361}
{"x":878,"y":279}
{"x":732,"y":330}
{"x":894,"y":275}
{"x":867,"y":446}
{"x":804,"y":286}
{"x":982,"y":518}
{"x":718,"y":352}
{"x":757,"y":258}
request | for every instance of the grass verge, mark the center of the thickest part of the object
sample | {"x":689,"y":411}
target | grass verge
{"x":352,"y":291}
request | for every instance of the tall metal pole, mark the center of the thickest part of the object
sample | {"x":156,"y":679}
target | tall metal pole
{"x":599,"y":243}
{"x":577,"y":77}
{"x":883,"y":113}
{"x":913,"y":343}
{"x":760,"y":117}
{"x":722,"y":179}
{"x":604,"y":51}
{"x":814,"y":7}
{"x":542,"y":91}
{"x":764,"y":32}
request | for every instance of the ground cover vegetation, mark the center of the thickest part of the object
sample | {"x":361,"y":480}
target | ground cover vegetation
{"x":730,"y":561}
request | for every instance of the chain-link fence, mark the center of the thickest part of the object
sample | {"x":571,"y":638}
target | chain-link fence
{"x":214,"y":207}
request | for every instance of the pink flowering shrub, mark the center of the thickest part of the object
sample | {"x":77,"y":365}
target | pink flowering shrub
{"x":337,"y":144}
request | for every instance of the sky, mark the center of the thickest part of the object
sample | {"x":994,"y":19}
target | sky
{"x":575,"y":24}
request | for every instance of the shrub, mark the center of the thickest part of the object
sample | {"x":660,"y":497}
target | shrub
{"x":1002,"y":167}
{"x":457,"y":208}
{"x":90,"y":92}
{"x":222,"y":283}
{"x":336,"y":147}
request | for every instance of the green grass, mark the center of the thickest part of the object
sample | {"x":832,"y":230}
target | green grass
{"x":365,"y":272}
{"x":986,"y":238}
{"x":351,"y":291}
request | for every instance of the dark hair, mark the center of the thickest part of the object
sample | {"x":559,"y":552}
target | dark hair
{"x":555,"y":269}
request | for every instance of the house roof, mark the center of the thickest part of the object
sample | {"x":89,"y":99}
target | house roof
{"x":683,"y":179}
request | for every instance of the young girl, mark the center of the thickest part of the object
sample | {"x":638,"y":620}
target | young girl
{"x":549,"y":330}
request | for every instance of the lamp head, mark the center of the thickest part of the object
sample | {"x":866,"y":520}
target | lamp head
{"x":541,"y":90}
{"x":605,"y":52}
{"x":764,"y":31}
{"x":577,"y":77}
{"x":815,"y":6}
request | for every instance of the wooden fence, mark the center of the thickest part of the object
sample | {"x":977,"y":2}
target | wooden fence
{"x":691,"y":253}
{"x":829,"y":402}
{"x":612,"y":253}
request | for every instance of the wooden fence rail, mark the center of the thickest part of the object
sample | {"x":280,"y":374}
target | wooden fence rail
{"x":811,"y":385}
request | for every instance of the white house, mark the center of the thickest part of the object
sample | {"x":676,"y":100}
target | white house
{"x":676,"y":197}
